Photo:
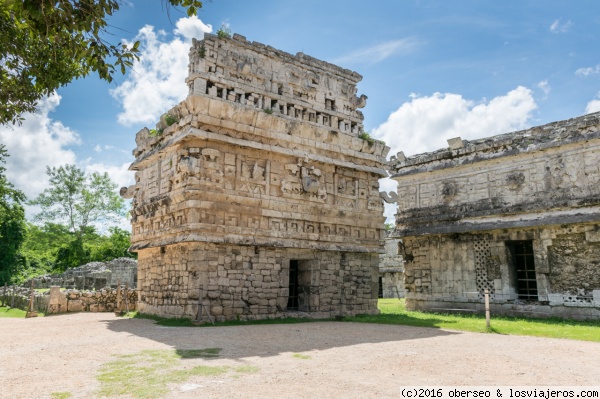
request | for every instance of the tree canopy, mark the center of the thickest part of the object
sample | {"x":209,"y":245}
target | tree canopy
{"x":45,"y":44}
{"x":12,"y":223}
{"x":78,"y":200}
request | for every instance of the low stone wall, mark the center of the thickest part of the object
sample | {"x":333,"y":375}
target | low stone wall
{"x":104,"y":300}
{"x":57,"y":301}
{"x":92,"y":276}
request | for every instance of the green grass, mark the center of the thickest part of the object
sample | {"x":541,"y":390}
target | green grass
{"x":61,"y":395}
{"x":247,"y":369}
{"x":11,"y":312}
{"x":301,"y":356}
{"x":148,"y":373}
{"x":393,"y":311}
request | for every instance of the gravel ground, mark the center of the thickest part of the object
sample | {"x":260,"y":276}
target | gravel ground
{"x":350,"y":360}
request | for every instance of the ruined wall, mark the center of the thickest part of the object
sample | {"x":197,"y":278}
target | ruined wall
{"x":391,"y":269}
{"x":263,"y":155}
{"x":247,"y":282}
{"x":461,"y":210}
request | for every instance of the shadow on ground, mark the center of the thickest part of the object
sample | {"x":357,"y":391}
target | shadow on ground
{"x":273,"y":339}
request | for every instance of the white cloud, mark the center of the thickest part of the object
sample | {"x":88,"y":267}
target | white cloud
{"x":558,"y":27}
{"x":377,"y":53}
{"x":37,"y":143}
{"x":157,"y":79}
{"x":545,"y":87}
{"x":588,"y":71}
{"x":593,"y":106}
{"x":425,"y":123}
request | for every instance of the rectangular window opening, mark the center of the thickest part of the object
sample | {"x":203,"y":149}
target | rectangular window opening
{"x":523,"y":269}
{"x":293,"y":286}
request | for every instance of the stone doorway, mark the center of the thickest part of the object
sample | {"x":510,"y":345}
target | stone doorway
{"x":299,"y":285}
{"x":523,"y":264}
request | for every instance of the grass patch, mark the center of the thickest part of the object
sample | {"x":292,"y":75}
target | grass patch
{"x":147,"y":374}
{"x":301,"y":356}
{"x":61,"y":395}
{"x":207,"y":353}
{"x":247,"y":369}
{"x":393,"y":311}
{"x":7,"y":311}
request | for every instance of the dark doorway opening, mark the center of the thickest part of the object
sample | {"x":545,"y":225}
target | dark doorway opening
{"x":380,"y":287}
{"x":524,"y":269}
{"x":293,"y":286}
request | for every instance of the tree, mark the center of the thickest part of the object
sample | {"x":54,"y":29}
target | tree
{"x":12,"y":224}
{"x":78,"y":200}
{"x":45,"y":44}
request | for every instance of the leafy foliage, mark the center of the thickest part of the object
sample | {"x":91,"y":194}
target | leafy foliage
{"x":78,"y":200}
{"x":12,"y":224}
{"x":45,"y":44}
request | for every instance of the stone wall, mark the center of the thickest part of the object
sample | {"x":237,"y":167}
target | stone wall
{"x":391,"y":269}
{"x":462,"y":210}
{"x":248,"y":282}
{"x":259,"y":171}
{"x":91,"y":276}
{"x":105,"y":300}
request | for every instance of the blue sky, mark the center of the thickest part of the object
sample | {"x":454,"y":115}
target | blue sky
{"x":432,"y":70}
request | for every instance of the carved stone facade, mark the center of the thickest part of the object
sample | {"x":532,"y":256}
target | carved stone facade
{"x":255,"y":185}
{"x":517,"y":214}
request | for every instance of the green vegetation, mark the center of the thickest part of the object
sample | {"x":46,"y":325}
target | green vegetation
{"x":170,"y":119}
{"x":268,"y":111}
{"x":12,"y":224}
{"x":224,"y":31}
{"x":61,"y":395}
{"x":301,"y":356}
{"x":155,"y":132}
{"x":147,"y":374}
{"x":367,"y":137}
{"x":247,"y":369}
{"x":12,"y":312}
{"x":47,"y":44}
{"x":393,"y":311}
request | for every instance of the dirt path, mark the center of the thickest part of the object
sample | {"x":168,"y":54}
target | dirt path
{"x":63,"y":353}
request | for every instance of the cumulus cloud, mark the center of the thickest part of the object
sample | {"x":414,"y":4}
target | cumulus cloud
{"x":593,"y":106}
{"x":425,"y":123}
{"x":374,"y":54}
{"x":157,"y":79}
{"x":588,"y":71}
{"x":558,"y":27}
{"x":37,"y":143}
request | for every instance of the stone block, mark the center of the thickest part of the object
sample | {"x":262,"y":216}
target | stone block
{"x":75,"y":305}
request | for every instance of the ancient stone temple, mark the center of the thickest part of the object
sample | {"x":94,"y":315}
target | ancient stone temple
{"x":256,"y":196}
{"x":517,"y":214}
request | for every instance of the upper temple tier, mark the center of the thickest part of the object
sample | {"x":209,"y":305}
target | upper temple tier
{"x":267,"y":149}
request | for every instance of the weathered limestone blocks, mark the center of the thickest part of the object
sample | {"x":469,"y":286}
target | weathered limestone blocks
{"x":517,"y":214}
{"x":246,"y":282}
{"x":256,"y":196}
{"x":105,"y":300}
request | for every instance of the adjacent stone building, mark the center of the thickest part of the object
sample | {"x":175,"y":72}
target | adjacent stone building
{"x":391,"y":268}
{"x":258,"y":195}
{"x":517,"y":214}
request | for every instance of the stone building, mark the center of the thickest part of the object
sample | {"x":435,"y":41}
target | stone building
{"x":391,"y":268}
{"x":256,"y":195}
{"x":517,"y":214}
